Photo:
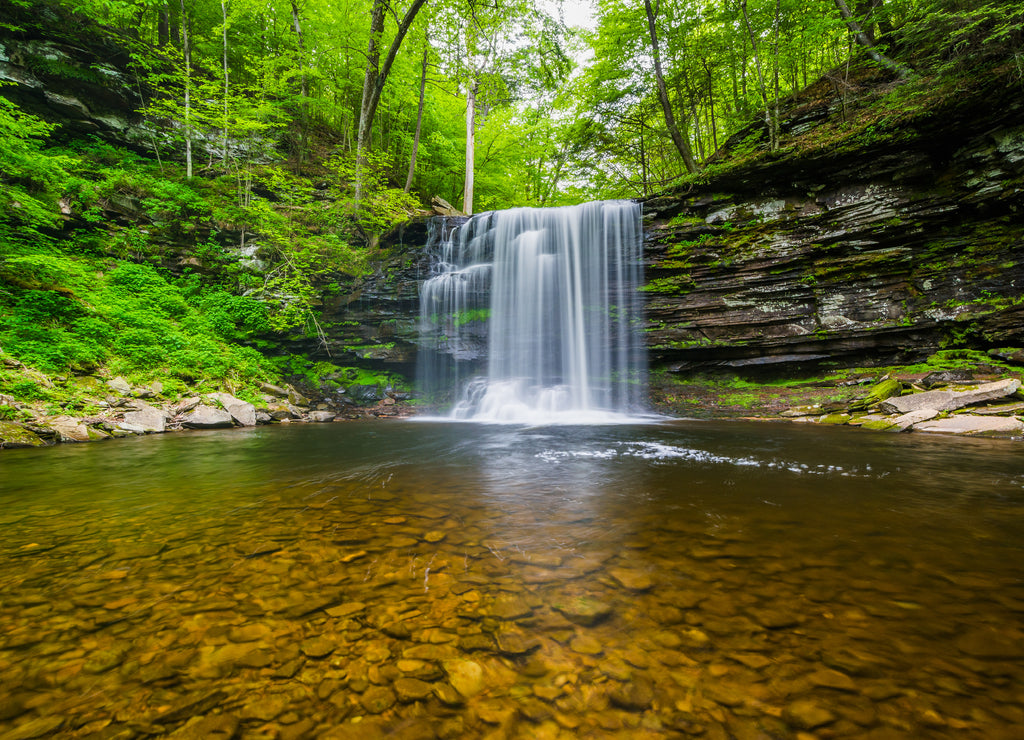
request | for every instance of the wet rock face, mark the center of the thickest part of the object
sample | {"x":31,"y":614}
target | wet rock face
{"x":872,"y":256}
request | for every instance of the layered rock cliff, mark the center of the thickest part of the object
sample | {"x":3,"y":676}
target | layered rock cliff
{"x":871,"y":248}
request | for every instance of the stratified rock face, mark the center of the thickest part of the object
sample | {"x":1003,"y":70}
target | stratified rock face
{"x":62,"y":72}
{"x":873,"y":254}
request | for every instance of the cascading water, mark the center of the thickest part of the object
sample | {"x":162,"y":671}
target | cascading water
{"x":550,"y":298}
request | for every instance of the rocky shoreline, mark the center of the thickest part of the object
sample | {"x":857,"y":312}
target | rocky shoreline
{"x":939,"y":404}
{"x":124,"y":410}
{"x":954,"y":402}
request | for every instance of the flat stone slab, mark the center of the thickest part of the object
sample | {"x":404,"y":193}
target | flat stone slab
{"x":950,"y":400}
{"x":906,"y":421}
{"x":972,"y":424}
{"x":149,"y":418}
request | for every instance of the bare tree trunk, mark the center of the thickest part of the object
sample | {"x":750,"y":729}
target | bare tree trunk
{"x":862,"y":38}
{"x":375,"y":78}
{"x":419,"y":118}
{"x":775,"y":81}
{"x":762,"y":87}
{"x":467,"y":188}
{"x":304,"y":86}
{"x":227,"y":89}
{"x":163,"y":27}
{"x":187,"y":49}
{"x":670,"y":122}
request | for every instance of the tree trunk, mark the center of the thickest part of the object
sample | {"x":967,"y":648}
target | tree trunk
{"x":762,"y":87}
{"x":375,"y":78}
{"x":775,"y":80}
{"x":467,"y":188}
{"x":419,"y":119}
{"x":304,"y":86}
{"x":670,"y":122}
{"x":187,"y":50}
{"x":163,"y":27}
{"x":861,"y":38}
{"x":227,"y":88}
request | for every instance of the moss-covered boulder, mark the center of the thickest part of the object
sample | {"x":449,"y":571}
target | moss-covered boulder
{"x":15,"y":435}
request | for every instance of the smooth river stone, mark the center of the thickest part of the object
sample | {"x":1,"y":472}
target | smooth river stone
{"x":832,"y":679}
{"x":412,"y":689}
{"x":317,"y":647}
{"x":586,"y":645}
{"x":377,"y":699}
{"x":635,"y":696}
{"x":806,"y":715}
{"x":465,"y":676}
{"x":631,"y":579}
{"x":987,"y":643}
{"x":508,"y":607}
{"x":583,"y":610}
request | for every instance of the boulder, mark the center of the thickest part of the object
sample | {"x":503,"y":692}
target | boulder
{"x":70,"y":429}
{"x":187,"y":405}
{"x":15,"y":435}
{"x":973,"y":424}
{"x":321,"y":416}
{"x":295,"y":398}
{"x":365,"y":394}
{"x":282,"y":411}
{"x":147,"y":418}
{"x":945,"y":377}
{"x":273,"y":390}
{"x":243,"y":412}
{"x":951,"y":400}
{"x":208,"y":417}
{"x":119,"y":385}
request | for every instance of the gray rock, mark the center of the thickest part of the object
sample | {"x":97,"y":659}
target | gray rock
{"x":906,"y":421}
{"x":295,"y":398}
{"x":972,"y":424}
{"x":208,"y":417}
{"x":321,"y":416}
{"x":120,"y":385}
{"x":148,"y":418}
{"x":187,"y":405}
{"x":282,"y":411}
{"x":273,"y":390}
{"x":951,"y":400}
{"x":243,"y":412}
{"x":945,"y":377}
{"x":70,"y":429}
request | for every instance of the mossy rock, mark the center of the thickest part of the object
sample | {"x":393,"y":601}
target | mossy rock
{"x":836,"y":419}
{"x":15,"y":435}
{"x":879,"y":392}
{"x":880,"y":425}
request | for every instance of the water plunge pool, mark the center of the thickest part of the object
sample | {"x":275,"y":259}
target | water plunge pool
{"x":421,"y":580}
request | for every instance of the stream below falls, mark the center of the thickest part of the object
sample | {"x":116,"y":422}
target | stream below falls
{"x":420,"y":579}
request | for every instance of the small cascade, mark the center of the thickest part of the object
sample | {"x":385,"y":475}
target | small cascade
{"x":531,"y":315}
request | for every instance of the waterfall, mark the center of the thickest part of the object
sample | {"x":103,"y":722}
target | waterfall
{"x":531,"y":315}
